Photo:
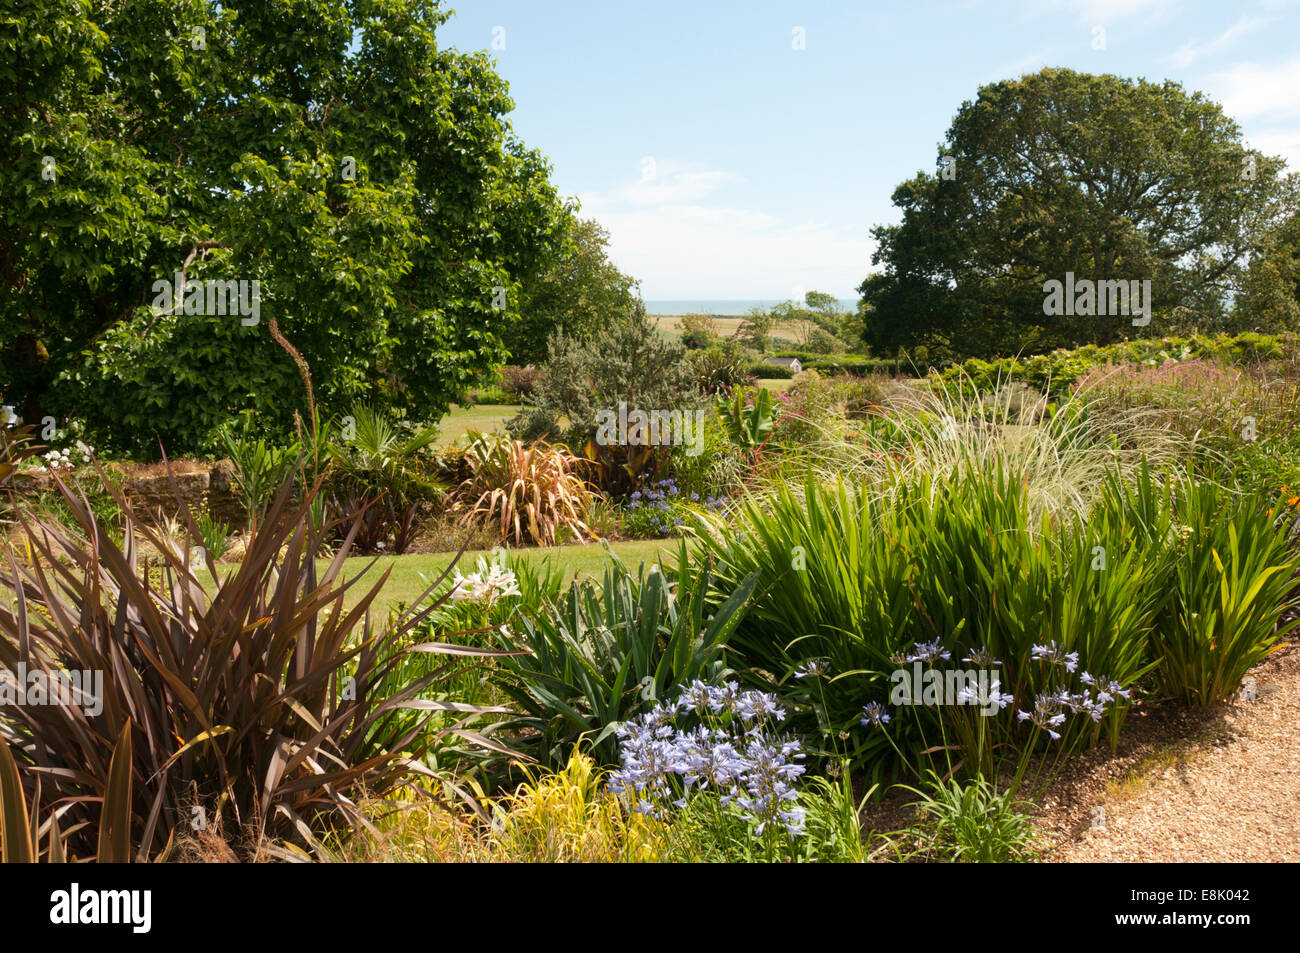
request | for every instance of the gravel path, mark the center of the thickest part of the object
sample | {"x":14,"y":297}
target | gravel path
{"x":1228,"y":791}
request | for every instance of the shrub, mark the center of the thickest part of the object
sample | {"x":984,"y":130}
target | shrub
{"x":971,"y":824}
{"x":770,"y":372}
{"x":260,"y":468}
{"x":718,"y":368}
{"x":530,"y":493}
{"x":382,"y":481}
{"x":698,"y":331}
{"x":1226,"y":579}
{"x":564,"y":817}
{"x":627,"y":361}
{"x":518,"y":382}
{"x":607,"y":653}
{"x":662,"y":509}
{"x":257,"y":705}
{"x":861,"y":580}
{"x":730,"y":759}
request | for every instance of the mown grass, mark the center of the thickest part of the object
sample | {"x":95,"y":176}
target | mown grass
{"x":482,"y":417}
{"x":412,"y":574}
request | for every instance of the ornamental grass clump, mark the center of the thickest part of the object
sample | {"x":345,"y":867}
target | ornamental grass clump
{"x":528,"y":493}
{"x":731,"y":756}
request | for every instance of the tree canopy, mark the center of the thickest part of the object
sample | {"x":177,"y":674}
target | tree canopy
{"x":331,"y":151}
{"x":1063,"y":172}
{"x":579,"y":290}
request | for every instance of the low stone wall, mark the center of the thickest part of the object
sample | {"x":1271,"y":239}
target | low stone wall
{"x":203,"y":491}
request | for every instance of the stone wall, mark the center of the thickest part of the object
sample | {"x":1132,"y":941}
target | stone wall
{"x":203,"y":491}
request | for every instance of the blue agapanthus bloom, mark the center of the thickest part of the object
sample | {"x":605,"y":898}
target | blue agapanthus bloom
{"x":874,"y":714}
{"x":741,"y":761}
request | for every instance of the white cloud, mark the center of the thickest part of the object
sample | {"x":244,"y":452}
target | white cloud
{"x":1281,"y":142}
{"x":1249,"y":90}
{"x":1190,"y":52}
{"x":1101,"y":12}
{"x":680,"y":246}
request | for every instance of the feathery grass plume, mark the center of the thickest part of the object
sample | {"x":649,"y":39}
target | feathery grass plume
{"x":1061,"y":453}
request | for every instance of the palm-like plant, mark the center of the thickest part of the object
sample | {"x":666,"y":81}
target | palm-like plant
{"x":380,"y":480}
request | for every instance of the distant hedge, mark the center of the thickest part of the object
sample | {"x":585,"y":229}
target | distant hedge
{"x":1060,"y":369}
{"x":766,"y":371}
{"x":857,"y":364}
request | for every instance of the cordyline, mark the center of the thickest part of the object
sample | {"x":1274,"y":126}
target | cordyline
{"x":258,"y":705}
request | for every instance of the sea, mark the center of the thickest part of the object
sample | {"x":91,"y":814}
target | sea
{"x":724,"y":306}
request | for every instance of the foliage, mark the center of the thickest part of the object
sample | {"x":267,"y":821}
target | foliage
{"x":577,"y":290}
{"x":1055,"y":172}
{"x":698,"y":331}
{"x":719,"y":367}
{"x":518,"y":381}
{"x":529,"y":493}
{"x":365,"y":174}
{"x":382,"y":480}
{"x":260,"y":468}
{"x":627,"y":360}
{"x":214,"y":534}
{"x":765,"y":371}
{"x":662,"y":509}
{"x":1242,"y":419}
{"x":971,"y":824}
{"x":731,"y":757}
{"x":858,"y":580}
{"x":756,"y":329}
{"x":747,"y":417}
{"x":1225,"y":577}
{"x":607,"y":653}
{"x":1059,"y":370}
{"x":256,"y":705}
{"x":21,"y":835}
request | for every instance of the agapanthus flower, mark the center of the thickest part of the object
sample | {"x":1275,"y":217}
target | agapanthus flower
{"x":813,"y":668}
{"x":1046,"y":715}
{"x":929,"y":652}
{"x":1056,"y":655}
{"x":982,"y":658}
{"x":874,"y":714}
{"x":749,"y":769}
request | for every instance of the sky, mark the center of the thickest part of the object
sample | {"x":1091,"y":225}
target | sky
{"x":745,"y":148}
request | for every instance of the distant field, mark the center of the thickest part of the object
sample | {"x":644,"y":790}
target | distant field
{"x":668,"y":325}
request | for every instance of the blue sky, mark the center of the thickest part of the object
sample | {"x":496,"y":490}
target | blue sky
{"x":726,"y":163}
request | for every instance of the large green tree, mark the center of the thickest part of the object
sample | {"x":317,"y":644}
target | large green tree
{"x":330,"y":150}
{"x":1063,"y":172}
{"x":577,"y":290}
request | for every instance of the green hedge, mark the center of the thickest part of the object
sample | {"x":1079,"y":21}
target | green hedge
{"x":766,"y":371}
{"x":858,"y":364}
{"x":1060,"y":369}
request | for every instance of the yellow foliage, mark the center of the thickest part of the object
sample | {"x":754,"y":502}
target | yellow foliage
{"x":565,"y":817}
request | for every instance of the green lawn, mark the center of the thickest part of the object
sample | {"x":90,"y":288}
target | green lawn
{"x":482,"y":417}
{"x":411,"y":575}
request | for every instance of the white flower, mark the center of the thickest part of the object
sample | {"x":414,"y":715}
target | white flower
{"x":488,"y":584}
